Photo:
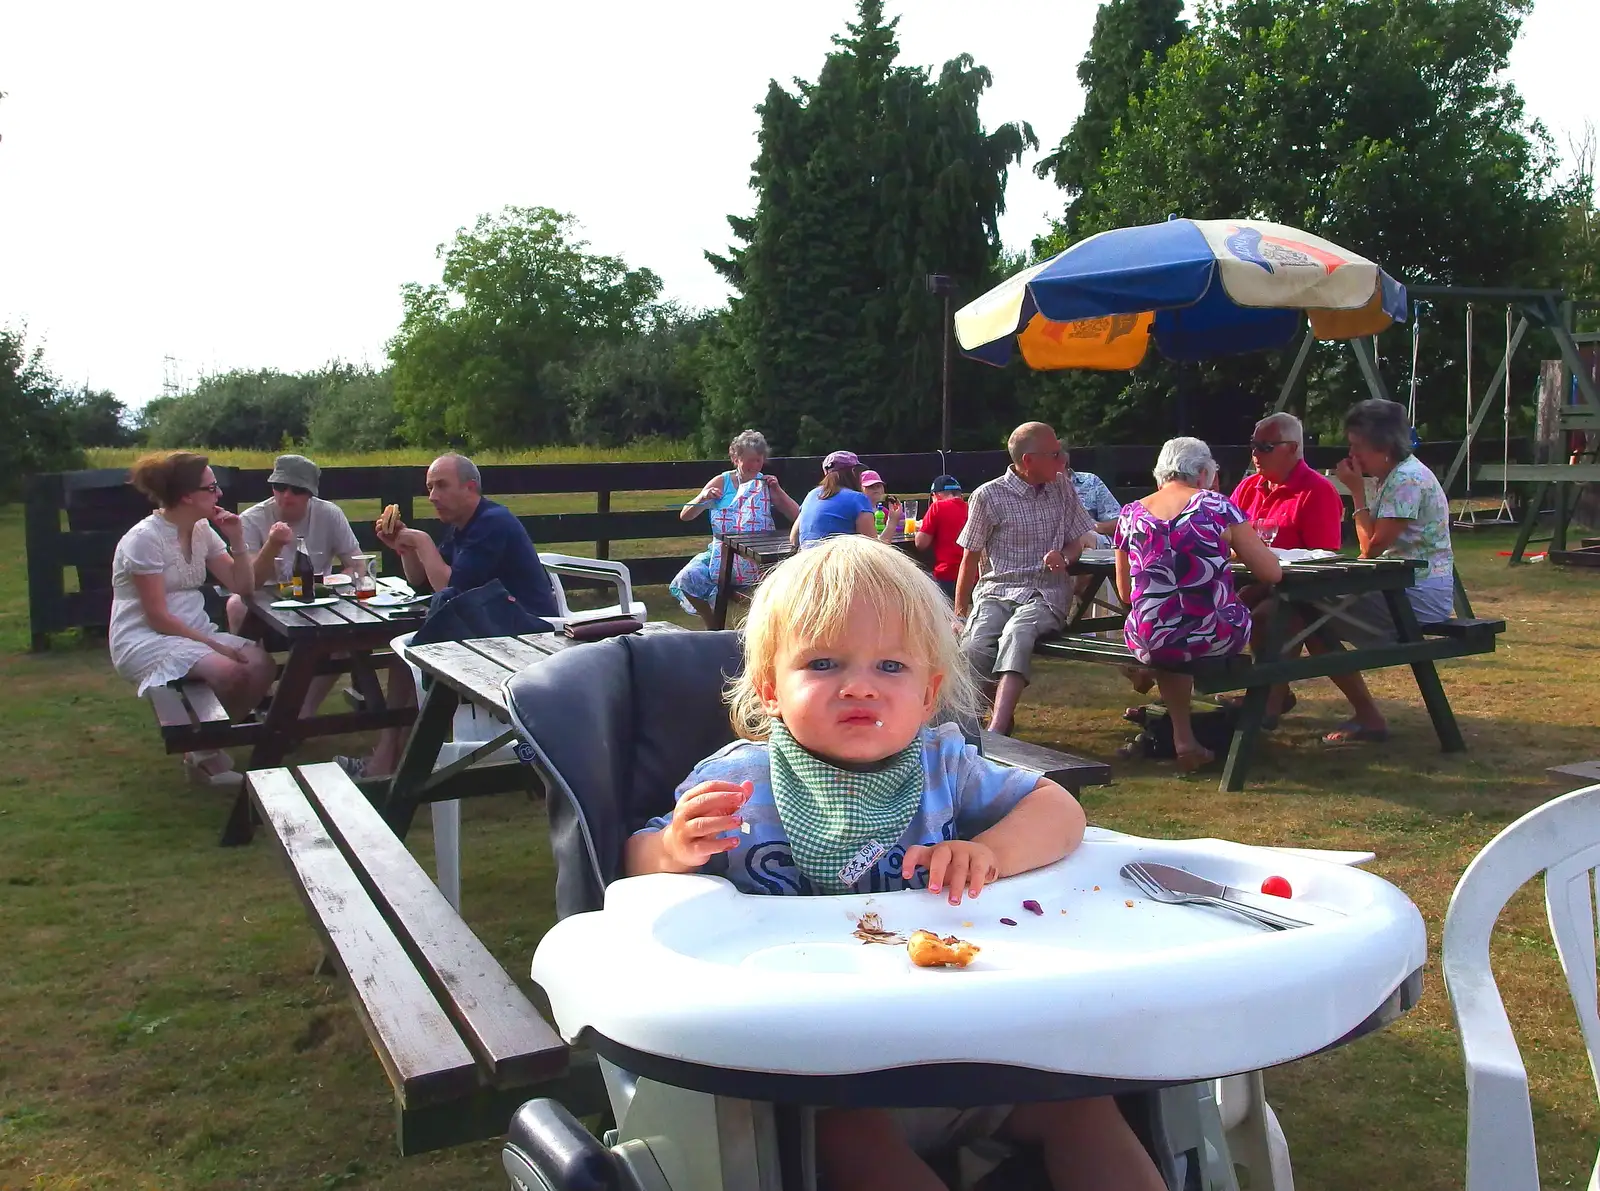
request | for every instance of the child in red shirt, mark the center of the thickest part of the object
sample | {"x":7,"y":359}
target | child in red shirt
{"x":945,"y":519}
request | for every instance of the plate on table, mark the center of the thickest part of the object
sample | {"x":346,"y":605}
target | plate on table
{"x":319,"y":602}
{"x":338,"y":579}
{"x":394,"y":599}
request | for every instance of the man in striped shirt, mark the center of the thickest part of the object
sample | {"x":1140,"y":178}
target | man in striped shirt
{"x":1023,"y":531}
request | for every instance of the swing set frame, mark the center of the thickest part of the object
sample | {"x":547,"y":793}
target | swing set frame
{"x":1550,"y":310}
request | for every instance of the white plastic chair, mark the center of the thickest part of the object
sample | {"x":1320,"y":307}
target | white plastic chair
{"x":470,"y":728}
{"x":1560,"y":839}
{"x":604,"y":570}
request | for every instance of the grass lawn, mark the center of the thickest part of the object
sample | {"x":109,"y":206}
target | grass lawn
{"x":163,"y":1028}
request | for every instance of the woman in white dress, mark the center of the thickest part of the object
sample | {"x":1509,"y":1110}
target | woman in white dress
{"x":159,"y":628}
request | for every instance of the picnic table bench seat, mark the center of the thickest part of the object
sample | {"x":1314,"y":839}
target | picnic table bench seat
{"x":193,"y":719}
{"x":1241,"y":671}
{"x":461,"y":1044}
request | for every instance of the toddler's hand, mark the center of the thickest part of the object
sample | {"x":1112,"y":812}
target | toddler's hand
{"x":695,"y":834}
{"x":960,"y":864}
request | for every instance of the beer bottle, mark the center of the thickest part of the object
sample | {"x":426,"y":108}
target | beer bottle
{"x":305,"y":575}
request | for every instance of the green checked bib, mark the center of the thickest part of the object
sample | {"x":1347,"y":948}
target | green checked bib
{"x":840,"y":822}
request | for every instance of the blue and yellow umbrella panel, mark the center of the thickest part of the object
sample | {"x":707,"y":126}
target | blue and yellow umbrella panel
{"x":1197,"y":288}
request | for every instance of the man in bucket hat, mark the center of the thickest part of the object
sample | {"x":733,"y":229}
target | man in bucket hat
{"x":294,"y":510}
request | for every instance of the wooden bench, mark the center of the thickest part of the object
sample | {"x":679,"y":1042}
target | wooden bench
{"x":192,"y":718}
{"x":1064,"y":769}
{"x":461,"y":1045}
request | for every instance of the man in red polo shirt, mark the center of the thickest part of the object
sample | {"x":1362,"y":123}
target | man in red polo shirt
{"x":1301,"y":504}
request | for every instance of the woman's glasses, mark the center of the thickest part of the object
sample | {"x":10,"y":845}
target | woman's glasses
{"x":214,"y":488}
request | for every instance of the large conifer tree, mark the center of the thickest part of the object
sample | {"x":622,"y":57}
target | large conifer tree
{"x":1131,"y":37}
{"x":868,"y":179}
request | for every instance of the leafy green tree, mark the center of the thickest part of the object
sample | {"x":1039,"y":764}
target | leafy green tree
{"x":1131,"y":38}
{"x":867,"y":180}
{"x":642,"y":386}
{"x":35,"y":422}
{"x":98,"y":419}
{"x":256,"y":410}
{"x":353,"y":410}
{"x":1387,"y":126}
{"x":518,"y":293}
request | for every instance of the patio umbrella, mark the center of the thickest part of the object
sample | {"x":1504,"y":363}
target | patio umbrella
{"x":1198,"y":288}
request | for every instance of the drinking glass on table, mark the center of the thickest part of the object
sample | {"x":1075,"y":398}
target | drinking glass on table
{"x":1266,"y":531}
{"x":283,"y":569}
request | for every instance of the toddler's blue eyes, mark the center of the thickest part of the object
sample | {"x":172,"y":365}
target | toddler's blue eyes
{"x":890,"y":666}
{"x":820,"y":664}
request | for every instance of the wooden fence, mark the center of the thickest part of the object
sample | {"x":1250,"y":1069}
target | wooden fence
{"x":74,"y":519}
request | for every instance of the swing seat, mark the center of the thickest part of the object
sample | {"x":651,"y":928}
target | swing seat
{"x":723,"y":1022}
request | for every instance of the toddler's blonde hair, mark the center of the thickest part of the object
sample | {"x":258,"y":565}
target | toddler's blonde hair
{"x":808,"y":598}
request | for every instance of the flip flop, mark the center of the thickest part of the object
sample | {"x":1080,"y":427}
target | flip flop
{"x":1353,"y":732}
{"x":1199,"y":759}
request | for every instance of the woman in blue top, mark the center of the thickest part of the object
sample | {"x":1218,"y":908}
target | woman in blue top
{"x":835,"y":506}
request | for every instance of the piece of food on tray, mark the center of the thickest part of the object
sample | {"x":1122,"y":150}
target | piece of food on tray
{"x":928,"y":950}
{"x":388,"y":520}
{"x":870,"y":929}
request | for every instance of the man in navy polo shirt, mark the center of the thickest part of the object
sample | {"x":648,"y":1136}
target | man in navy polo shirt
{"x":483,"y":541}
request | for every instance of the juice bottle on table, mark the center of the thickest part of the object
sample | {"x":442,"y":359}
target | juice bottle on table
{"x":305,"y":575}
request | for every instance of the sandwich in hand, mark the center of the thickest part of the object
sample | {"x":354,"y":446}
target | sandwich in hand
{"x":388,"y":521}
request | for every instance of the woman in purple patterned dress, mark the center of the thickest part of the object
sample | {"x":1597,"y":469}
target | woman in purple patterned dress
{"x":1172,"y":572}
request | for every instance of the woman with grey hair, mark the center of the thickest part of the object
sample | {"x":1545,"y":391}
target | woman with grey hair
{"x":1172,"y":573}
{"x":739,"y":501}
{"x":1408,"y":516}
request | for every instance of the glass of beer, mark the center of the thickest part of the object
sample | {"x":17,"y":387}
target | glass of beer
{"x":283,"y":568}
{"x":363,"y":584}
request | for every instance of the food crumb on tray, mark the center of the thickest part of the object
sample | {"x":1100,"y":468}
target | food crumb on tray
{"x":870,"y":929}
{"x":928,"y":950}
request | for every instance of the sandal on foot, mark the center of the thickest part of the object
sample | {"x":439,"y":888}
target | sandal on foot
{"x":1354,"y":732}
{"x":1198,"y":759}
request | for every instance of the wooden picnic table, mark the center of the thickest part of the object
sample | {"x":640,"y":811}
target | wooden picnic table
{"x":474,"y":672}
{"x":329,"y":639}
{"x":765,"y":550}
{"x":1317,"y":591}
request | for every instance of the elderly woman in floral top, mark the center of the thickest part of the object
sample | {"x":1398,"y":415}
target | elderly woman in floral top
{"x":1408,"y":516}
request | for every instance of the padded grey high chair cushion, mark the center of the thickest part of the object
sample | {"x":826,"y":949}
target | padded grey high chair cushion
{"x":616,"y":726}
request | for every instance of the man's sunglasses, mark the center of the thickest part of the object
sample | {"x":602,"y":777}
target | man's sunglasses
{"x":1266,"y":448}
{"x":280,"y":489}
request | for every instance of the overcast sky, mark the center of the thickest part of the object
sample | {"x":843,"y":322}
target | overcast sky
{"x":242,"y":186}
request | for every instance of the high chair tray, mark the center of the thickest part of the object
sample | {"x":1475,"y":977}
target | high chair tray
{"x":682,"y":978}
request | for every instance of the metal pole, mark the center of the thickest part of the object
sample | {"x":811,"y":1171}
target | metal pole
{"x":1295,"y":369}
{"x":1369,"y":369}
{"x":944,"y":432}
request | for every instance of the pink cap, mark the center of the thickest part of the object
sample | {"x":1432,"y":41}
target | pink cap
{"x":868,"y":478}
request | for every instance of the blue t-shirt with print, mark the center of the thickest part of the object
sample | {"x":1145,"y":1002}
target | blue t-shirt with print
{"x":963,"y":794}
{"x":824,"y":517}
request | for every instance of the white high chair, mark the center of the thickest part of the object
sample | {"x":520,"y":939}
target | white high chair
{"x":1560,"y":839}
{"x":472,"y":727}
